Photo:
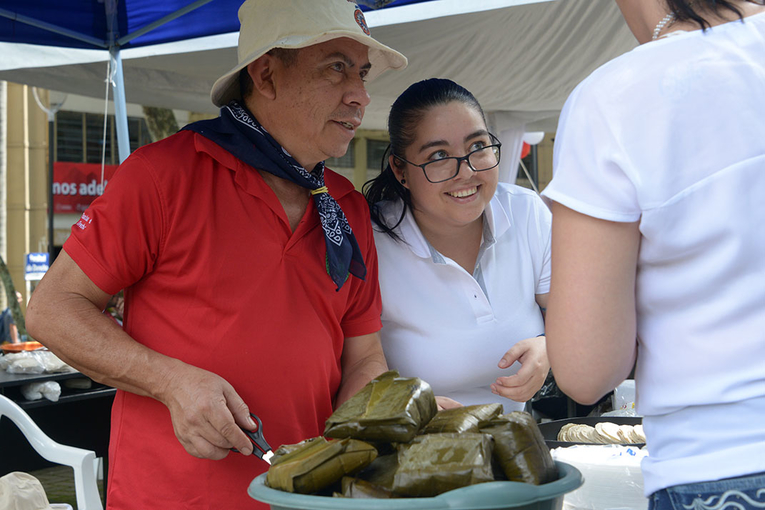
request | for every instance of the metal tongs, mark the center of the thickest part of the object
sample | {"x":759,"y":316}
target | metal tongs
{"x":261,"y":446}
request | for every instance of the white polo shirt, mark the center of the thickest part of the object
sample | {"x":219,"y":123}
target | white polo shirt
{"x":671,"y":135}
{"x":449,"y":327}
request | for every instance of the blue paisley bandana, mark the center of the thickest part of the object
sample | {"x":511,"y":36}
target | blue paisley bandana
{"x":237,"y":131}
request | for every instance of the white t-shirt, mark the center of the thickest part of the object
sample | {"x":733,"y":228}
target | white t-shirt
{"x":672,"y":135}
{"x":451,"y":328}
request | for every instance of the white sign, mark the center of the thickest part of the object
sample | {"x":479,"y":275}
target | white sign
{"x":36,"y":266}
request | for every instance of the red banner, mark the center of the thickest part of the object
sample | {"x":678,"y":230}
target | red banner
{"x":75,"y":185}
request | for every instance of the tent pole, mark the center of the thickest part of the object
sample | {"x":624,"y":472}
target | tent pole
{"x":51,"y":157}
{"x":120,"y":105}
{"x":117,"y":80}
{"x":50,"y":111}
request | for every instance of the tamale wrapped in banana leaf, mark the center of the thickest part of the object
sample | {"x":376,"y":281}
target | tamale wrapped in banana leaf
{"x":286,"y":449}
{"x":388,"y":409}
{"x":357,"y":488}
{"x":319,"y":463}
{"x":520,"y":449}
{"x":462,"y":419}
{"x":436,"y":463}
{"x":381,"y":471}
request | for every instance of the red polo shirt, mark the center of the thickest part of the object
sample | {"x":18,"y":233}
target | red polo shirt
{"x":214,"y":276}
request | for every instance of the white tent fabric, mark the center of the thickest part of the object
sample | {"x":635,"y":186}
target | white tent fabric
{"x":521,"y":57}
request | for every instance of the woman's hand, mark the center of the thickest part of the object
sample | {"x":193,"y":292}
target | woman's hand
{"x":532,"y":355}
{"x":446,"y":403}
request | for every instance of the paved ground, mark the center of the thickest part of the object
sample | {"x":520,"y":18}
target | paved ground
{"x":58,"y":483}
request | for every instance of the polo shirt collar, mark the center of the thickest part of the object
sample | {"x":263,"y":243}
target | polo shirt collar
{"x":497,"y":217}
{"x":497,"y":222}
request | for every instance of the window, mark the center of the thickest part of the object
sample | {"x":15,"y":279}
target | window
{"x":139,"y":133}
{"x":80,"y":137}
{"x":69,"y":136}
{"x":94,"y":138}
{"x":345,"y":161}
{"x":375,"y":151}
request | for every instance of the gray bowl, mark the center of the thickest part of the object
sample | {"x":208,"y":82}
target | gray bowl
{"x":484,"y":496}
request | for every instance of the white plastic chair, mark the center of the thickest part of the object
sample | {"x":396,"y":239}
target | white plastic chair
{"x":82,"y":461}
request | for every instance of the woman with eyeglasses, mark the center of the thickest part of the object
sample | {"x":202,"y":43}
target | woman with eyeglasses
{"x":464,"y":261}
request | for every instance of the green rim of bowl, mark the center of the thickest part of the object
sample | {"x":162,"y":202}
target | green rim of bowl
{"x":484,"y":496}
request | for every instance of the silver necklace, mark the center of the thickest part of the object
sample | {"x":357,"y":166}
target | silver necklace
{"x":669,"y":18}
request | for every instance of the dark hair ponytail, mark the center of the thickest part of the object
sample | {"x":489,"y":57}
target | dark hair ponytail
{"x":385,"y":187}
{"x":692,"y":10}
{"x":405,"y":116}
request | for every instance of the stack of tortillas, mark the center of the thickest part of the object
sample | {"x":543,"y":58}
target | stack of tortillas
{"x":602,"y":433}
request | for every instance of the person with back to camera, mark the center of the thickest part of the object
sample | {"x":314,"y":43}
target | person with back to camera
{"x":464,"y":261}
{"x":659,"y":245}
{"x":249,"y":271}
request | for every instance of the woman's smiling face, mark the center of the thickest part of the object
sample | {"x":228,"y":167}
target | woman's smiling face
{"x":452,"y":129}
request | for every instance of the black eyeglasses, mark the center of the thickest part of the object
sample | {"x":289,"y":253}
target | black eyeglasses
{"x":443,"y":169}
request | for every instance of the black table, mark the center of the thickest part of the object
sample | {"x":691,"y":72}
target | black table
{"x":80,"y":418}
{"x":10,"y":386}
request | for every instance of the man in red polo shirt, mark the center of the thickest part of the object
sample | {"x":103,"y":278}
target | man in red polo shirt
{"x":250,"y":272}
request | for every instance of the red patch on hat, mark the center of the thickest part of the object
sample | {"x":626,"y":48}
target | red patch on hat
{"x":361,"y":21}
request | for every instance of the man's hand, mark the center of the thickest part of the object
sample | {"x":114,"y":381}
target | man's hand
{"x":206,"y":412}
{"x":532,"y":354}
{"x":446,"y":403}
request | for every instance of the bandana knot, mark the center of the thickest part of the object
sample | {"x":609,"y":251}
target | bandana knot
{"x":239,"y":132}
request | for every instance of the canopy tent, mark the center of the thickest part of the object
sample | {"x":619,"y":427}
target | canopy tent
{"x":521,"y":58}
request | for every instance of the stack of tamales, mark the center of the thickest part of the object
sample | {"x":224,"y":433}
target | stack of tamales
{"x":389,"y":441}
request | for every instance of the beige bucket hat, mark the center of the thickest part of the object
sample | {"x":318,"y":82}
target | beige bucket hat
{"x":268,"y":24}
{"x":22,"y":491}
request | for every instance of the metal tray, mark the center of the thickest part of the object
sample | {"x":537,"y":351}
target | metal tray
{"x":550,"y":429}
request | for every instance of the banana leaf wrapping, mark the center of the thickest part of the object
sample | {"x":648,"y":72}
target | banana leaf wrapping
{"x":520,"y":449}
{"x":361,"y":489}
{"x":318,"y":463}
{"x":286,"y":449}
{"x":436,"y":463}
{"x":388,"y":409}
{"x":381,"y":471}
{"x":462,"y":419}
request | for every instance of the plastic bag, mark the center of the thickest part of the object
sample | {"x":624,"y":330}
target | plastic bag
{"x":623,"y":400}
{"x":23,"y":363}
{"x":34,"y":362}
{"x":37,"y":390}
{"x":612,"y":477}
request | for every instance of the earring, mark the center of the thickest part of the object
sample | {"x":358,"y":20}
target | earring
{"x":403,"y":181}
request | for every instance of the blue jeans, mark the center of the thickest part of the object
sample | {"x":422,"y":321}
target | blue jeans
{"x":742,"y":493}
